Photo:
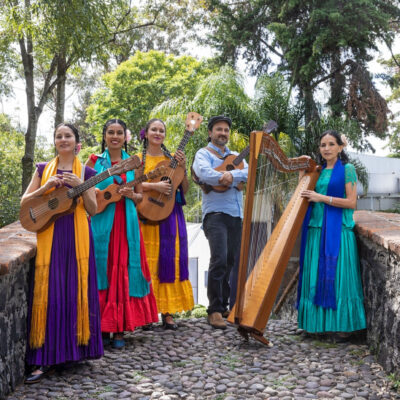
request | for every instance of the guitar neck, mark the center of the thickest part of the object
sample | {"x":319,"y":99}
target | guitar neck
{"x":78,"y":190}
{"x":174,"y":163}
{"x":140,"y":179}
{"x":244,"y":153}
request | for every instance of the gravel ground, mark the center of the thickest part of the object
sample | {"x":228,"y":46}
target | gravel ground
{"x":199,"y":362}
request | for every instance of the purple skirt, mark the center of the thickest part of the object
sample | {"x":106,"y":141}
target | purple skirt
{"x":60,"y":344}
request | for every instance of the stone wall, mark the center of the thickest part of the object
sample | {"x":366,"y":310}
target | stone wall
{"x":378,"y":237}
{"x":18,"y":248}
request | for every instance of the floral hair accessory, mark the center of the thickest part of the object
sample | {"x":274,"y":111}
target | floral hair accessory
{"x":78,"y":148}
{"x":128,"y":136}
{"x":142,"y":134}
{"x":344,"y":140}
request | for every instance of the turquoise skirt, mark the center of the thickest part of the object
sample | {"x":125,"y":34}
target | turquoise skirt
{"x":350,"y":314}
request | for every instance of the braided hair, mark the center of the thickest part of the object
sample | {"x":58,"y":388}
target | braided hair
{"x":145,"y":142}
{"x":106,"y":125}
{"x":343,"y":157}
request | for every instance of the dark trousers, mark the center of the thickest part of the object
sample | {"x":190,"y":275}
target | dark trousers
{"x":224,"y":234}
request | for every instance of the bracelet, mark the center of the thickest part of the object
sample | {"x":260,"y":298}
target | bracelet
{"x":330,"y":200}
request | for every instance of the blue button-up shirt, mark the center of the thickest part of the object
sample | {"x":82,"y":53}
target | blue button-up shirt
{"x":229,"y":202}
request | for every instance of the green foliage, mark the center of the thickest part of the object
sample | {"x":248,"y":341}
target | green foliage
{"x":141,"y":83}
{"x":362,"y":173}
{"x":198,"y":311}
{"x":220,"y":93}
{"x":11,"y":152}
{"x":392,"y":79}
{"x":12,"y":143}
{"x":395,"y":381}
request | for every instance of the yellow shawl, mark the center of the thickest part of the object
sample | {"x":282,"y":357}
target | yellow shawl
{"x":43,"y":256}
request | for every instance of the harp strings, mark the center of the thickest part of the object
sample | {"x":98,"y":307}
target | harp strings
{"x":272,"y":193}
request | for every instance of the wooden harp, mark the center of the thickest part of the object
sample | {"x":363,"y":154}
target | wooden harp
{"x":267,"y":242}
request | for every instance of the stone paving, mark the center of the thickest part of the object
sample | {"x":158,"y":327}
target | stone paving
{"x":198,"y":362}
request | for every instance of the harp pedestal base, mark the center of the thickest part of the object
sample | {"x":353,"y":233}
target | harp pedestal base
{"x":255,"y":335}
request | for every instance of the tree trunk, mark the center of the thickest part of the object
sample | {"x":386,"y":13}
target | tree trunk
{"x":337,"y":83}
{"x":61,"y":82}
{"x":33,"y":113}
{"x":310,"y":109}
{"x":310,"y":115}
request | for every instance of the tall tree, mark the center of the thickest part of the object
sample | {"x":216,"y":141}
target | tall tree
{"x":51,"y":38}
{"x":313,"y":42}
{"x":55,"y":36}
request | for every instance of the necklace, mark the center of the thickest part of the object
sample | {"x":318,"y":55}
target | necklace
{"x":159,"y":154}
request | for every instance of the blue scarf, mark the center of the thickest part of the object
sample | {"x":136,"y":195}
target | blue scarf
{"x":102,"y":225}
{"x":331,"y":231}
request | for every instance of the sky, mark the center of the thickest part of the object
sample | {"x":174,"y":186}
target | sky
{"x":16,"y":106}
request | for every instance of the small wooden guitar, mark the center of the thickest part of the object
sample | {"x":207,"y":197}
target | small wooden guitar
{"x":38,"y":213}
{"x":157,"y":206}
{"x":230,"y":163}
{"x":111,"y":193}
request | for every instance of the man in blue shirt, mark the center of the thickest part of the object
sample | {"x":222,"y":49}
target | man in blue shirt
{"x":222,"y":219}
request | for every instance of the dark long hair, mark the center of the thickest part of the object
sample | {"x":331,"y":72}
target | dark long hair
{"x":106,"y":125}
{"x":343,"y":157}
{"x":145,"y":141}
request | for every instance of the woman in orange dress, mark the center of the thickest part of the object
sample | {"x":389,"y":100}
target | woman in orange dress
{"x":166,"y":241}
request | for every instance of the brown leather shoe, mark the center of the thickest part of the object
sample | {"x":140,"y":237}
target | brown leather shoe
{"x":226,"y":313}
{"x":216,"y":321}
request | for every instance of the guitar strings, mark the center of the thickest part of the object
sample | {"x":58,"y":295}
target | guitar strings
{"x":271,"y":196}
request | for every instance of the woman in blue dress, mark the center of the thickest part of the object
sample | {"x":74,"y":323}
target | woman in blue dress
{"x":330,"y":296}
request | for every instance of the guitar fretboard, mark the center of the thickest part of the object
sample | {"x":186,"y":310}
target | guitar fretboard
{"x":137,"y":180}
{"x":174,"y":163}
{"x":78,"y":190}
{"x":244,"y":153}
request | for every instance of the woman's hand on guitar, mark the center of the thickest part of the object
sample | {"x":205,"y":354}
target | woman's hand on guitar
{"x":54,"y":181}
{"x":71,"y":179}
{"x":130,"y":194}
{"x":181,"y":158}
{"x":163,"y":187}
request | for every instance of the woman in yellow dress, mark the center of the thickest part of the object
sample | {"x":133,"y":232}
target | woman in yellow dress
{"x":168,"y":263}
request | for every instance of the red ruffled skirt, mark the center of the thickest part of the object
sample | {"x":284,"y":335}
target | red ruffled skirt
{"x":119,"y":312}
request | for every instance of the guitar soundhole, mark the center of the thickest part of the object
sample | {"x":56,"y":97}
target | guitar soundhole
{"x":166,"y":179}
{"x":53,"y":203}
{"x":230,"y":167}
{"x":107,"y":195}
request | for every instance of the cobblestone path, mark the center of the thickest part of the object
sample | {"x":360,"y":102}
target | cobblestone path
{"x":198,"y":362}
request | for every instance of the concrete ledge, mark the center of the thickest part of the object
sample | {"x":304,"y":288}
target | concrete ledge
{"x":17,"y":247}
{"x":381,"y":228}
